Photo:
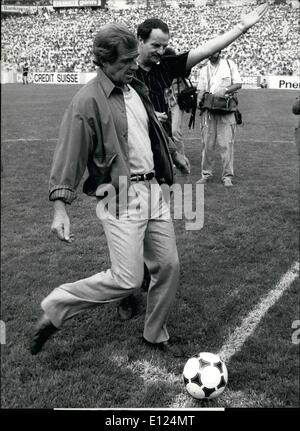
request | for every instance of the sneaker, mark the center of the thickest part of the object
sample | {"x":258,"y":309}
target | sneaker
{"x":42,"y":332}
{"x":203,"y":180}
{"x":168,"y":348}
{"x":227,"y":182}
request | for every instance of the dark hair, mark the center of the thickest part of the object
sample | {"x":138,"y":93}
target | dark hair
{"x":145,"y":28}
{"x":108,"y":40}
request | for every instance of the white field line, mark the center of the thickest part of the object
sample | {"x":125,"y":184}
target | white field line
{"x":208,"y":409}
{"x":23,"y":140}
{"x":241,"y":333}
{"x":150,"y":372}
{"x":262,"y":141}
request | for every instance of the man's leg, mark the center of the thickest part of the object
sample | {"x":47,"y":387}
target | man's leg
{"x":177,"y":118}
{"x":161,"y":258}
{"x":226,"y":131}
{"x":208,"y":137}
{"x":124,"y":276}
{"x":121,"y":280}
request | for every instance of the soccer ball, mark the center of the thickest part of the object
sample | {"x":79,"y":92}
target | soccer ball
{"x":205,"y":376}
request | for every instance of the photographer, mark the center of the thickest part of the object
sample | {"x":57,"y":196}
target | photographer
{"x":219,"y":78}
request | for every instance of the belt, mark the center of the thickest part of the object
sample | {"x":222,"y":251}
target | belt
{"x":143,"y":177}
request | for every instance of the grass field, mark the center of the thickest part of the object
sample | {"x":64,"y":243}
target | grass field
{"x":249,"y":240}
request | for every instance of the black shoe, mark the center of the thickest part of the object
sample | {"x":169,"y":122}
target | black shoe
{"x":127,"y":308}
{"x":42,"y":332}
{"x":168,"y":348}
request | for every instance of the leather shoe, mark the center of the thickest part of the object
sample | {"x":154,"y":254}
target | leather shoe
{"x":169,"y":348}
{"x":42,"y":332}
{"x":127,"y":308}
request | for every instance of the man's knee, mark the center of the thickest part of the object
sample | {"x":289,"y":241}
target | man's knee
{"x":171,"y":263}
{"x":130,"y":280}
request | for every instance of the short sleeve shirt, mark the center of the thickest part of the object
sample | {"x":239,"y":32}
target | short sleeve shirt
{"x":213,"y":78}
{"x":160,"y":77}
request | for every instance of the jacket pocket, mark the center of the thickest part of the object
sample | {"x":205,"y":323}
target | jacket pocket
{"x":99,"y":173}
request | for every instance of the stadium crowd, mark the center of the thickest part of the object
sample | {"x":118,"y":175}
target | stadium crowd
{"x":29,"y":2}
{"x":61,"y":42}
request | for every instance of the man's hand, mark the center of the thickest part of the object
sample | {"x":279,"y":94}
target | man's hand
{"x":249,"y":19}
{"x":220,"y":42}
{"x":162,"y":116}
{"x":61,"y":222}
{"x":182,"y":162}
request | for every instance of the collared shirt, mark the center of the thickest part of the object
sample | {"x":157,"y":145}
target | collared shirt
{"x":94,"y":135}
{"x":159,"y":78}
{"x":216,"y":77}
{"x":140,"y":153}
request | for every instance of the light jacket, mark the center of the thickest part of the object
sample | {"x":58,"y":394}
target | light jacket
{"x":93,"y":135}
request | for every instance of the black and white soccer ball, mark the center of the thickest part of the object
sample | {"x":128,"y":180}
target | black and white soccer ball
{"x":205,"y":376}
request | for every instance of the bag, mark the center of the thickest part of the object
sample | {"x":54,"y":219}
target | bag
{"x":218,"y":104}
{"x":238,"y":117}
{"x":187,"y":98}
{"x":224,"y":104}
{"x":221,"y":104}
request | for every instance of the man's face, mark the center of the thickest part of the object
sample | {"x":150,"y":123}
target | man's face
{"x":215,"y":57}
{"x":152,"y":49}
{"x":122,"y":70}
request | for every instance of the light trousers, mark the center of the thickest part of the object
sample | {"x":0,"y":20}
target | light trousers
{"x":177,"y":121}
{"x":142,"y":233}
{"x":218,"y":130}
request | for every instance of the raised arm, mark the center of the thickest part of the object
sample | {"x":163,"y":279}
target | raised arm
{"x":220,"y":42}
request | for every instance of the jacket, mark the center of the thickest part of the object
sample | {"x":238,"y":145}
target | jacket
{"x":93,"y":135}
